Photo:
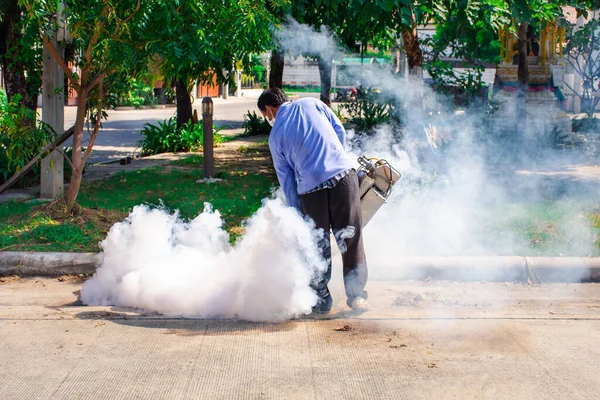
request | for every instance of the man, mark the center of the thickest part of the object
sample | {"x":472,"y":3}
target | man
{"x":318,"y":179}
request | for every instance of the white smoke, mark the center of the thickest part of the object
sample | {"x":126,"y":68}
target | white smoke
{"x":155,"y":261}
{"x":459,"y":183}
{"x":297,"y":39}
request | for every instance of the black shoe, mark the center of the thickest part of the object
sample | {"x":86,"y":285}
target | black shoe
{"x":323,"y":306}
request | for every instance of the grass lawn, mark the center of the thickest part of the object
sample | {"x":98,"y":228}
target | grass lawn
{"x":238,"y":196}
{"x":289,"y":89}
{"x":540,"y":229}
{"x":553,"y":228}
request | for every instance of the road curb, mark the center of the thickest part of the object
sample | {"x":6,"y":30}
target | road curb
{"x":467,"y":269}
{"x":47,"y":264}
{"x":491,"y":269}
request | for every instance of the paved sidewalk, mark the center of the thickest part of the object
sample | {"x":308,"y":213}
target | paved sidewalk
{"x":422,"y":340}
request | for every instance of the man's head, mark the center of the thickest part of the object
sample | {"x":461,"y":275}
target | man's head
{"x":269,"y":101}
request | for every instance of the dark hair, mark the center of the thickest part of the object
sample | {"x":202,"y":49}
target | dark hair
{"x":272,"y":97}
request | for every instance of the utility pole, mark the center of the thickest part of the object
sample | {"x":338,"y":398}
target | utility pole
{"x":52,"y":178}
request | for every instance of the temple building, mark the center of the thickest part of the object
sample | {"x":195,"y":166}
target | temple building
{"x":546,"y":102}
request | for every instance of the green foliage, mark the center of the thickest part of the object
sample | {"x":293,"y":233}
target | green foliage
{"x":586,"y":125}
{"x":254,"y":68}
{"x":194,"y":38}
{"x":22,"y":55}
{"x":137,"y":94}
{"x":339,"y":112}
{"x":20,"y":139}
{"x":369,"y":109}
{"x":468,"y":33}
{"x":165,"y":137}
{"x":380,"y":22}
{"x":583,"y":54}
{"x":464,"y":87}
{"x":255,"y":124}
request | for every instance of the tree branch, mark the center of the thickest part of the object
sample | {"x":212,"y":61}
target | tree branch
{"x":64,"y":156}
{"x":572,"y":90}
{"x":579,"y":68}
{"x":572,"y":65}
{"x":126,"y":20}
{"x":95,"y":36}
{"x":61,"y":62}
{"x":95,"y":81}
{"x":94,"y":134}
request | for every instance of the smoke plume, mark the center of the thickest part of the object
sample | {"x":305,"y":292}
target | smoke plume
{"x":463,"y":181}
{"x":155,"y":261}
{"x":466,"y":180}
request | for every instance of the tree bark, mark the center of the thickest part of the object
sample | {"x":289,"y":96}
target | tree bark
{"x":413,"y":51}
{"x":523,"y":74}
{"x":184,"y":104}
{"x":397,"y":57}
{"x":77,"y":168}
{"x":276,"y":73}
{"x":325,"y":66}
{"x":12,"y":66}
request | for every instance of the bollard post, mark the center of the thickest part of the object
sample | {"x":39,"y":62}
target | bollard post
{"x":207,"y":121}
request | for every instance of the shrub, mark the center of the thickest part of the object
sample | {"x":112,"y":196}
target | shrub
{"x":165,"y":137}
{"x":137,"y":94}
{"x":255,"y":124}
{"x":368,"y":110}
{"x":21,"y":138}
{"x":586,"y":125}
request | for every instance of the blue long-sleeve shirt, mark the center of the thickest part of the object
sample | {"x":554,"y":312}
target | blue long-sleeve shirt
{"x":307,"y":144}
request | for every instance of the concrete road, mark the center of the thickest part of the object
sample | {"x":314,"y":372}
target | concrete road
{"x":421,"y":340}
{"x":120,"y":133}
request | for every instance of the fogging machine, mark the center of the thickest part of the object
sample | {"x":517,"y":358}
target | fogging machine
{"x":376,"y":178}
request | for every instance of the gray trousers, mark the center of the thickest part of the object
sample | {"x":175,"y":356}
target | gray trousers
{"x":338,"y":210}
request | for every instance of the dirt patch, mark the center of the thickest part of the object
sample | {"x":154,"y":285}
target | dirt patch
{"x":248,"y":155}
{"x":79,"y":278}
{"x":7,"y":280}
{"x":101,"y":218}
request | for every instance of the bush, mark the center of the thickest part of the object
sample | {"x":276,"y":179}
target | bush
{"x":165,"y":137}
{"x":255,"y":125}
{"x":137,"y":94}
{"x":586,"y":125}
{"x":21,"y":138}
{"x":368,"y":110}
{"x":463,"y":88}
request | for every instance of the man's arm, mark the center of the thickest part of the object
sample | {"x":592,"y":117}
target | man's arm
{"x":286,"y":177}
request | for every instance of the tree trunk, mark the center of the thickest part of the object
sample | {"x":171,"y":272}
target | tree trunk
{"x":325,"y":66}
{"x":276,"y":73}
{"x":397,"y":56}
{"x":413,"y":52}
{"x":13,"y":69}
{"x":77,"y":170}
{"x":184,"y":104}
{"x":523,"y":74}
